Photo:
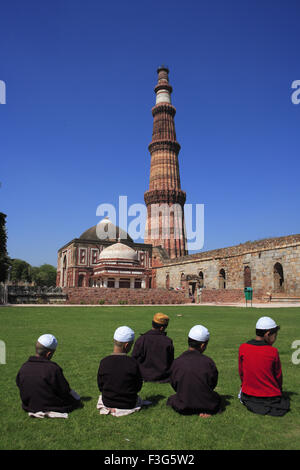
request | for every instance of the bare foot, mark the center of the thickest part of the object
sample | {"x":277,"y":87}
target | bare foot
{"x":204,"y":415}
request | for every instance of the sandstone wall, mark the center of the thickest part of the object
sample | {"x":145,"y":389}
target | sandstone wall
{"x":109,"y":296}
{"x":260,"y":257}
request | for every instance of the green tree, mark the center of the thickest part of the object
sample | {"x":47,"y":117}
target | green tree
{"x":44,"y":275}
{"x":20,"y":271}
{"x":4,"y":259}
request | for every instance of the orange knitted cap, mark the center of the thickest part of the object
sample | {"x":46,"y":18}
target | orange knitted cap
{"x":161,"y":319}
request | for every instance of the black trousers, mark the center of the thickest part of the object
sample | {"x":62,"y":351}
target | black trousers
{"x":272,"y":406}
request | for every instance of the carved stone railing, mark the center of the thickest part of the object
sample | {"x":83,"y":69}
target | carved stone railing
{"x":35,"y":295}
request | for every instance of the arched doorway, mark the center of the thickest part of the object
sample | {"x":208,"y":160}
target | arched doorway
{"x":222,"y":279}
{"x":201,"y":279}
{"x":182,"y":281}
{"x":64,"y":271}
{"x":247,"y":277}
{"x":278,"y":278}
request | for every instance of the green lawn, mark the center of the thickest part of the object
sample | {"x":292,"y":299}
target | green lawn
{"x":85,"y":336}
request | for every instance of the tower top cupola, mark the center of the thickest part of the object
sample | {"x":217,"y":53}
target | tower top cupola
{"x":163,"y":89}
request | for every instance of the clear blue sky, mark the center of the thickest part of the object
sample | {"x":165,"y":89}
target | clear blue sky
{"x":75,"y":129}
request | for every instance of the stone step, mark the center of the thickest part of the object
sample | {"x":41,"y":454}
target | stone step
{"x":286,"y":299}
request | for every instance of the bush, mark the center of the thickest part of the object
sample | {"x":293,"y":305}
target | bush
{"x":101,"y":301}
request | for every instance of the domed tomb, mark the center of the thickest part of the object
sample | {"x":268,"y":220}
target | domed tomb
{"x":105,"y":230}
{"x":119,"y":266}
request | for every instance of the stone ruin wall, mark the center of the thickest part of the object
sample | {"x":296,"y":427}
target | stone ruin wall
{"x":260,"y":256}
{"x":110,"y":296}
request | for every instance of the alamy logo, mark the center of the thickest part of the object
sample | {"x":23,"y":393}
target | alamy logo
{"x":296,"y":94}
{"x":2,"y":92}
{"x":296,"y":354}
{"x":2,"y":352}
{"x":166,"y":222}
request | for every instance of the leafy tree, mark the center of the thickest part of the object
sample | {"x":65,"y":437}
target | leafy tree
{"x":44,"y":275}
{"x":20,"y":271}
{"x":4,"y":259}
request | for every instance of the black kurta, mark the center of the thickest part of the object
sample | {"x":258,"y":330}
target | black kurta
{"x":119,"y":380}
{"x":154,"y":352}
{"x":194,"y":377}
{"x":43,"y":387}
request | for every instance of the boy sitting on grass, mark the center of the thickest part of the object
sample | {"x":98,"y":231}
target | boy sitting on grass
{"x":43,"y":387}
{"x":154,"y":351}
{"x":194,"y":377}
{"x":260,"y":372}
{"x":119,"y":378}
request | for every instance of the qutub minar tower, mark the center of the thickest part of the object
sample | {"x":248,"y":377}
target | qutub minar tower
{"x":166,"y":227}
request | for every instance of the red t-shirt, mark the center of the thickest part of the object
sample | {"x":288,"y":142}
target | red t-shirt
{"x":260,"y":369}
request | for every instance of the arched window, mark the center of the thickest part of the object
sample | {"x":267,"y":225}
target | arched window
{"x":64,"y":271}
{"x":182,"y":279}
{"x":80,"y":280}
{"x":222,"y":279}
{"x":278,"y":278}
{"x":247,"y":276}
{"x":167,"y":281}
{"x":201,"y":279}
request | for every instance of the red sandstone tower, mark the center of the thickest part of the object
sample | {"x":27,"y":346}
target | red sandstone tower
{"x":165,"y":199}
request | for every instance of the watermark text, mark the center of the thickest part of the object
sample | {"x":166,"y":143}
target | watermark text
{"x":295,"y":97}
{"x":2,"y":352}
{"x":2,"y":92}
{"x":157,"y":222}
{"x":296,"y":354}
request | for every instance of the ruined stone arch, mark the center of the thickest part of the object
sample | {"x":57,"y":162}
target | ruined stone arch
{"x":167,"y":281}
{"x":278,"y":277}
{"x":222,"y":279}
{"x":182,"y":280}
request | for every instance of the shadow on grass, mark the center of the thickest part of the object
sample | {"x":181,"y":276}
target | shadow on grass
{"x":289,"y":394}
{"x":225,"y":401}
{"x":86,"y":398}
{"x":81,"y":402}
{"x":155,"y":399}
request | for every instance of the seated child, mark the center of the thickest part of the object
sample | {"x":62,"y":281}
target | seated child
{"x":43,"y":387}
{"x":154,"y":351}
{"x":194,"y":377}
{"x":260,"y":372}
{"x":119,"y":378}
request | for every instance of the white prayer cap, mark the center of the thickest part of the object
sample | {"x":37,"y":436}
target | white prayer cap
{"x":265,"y":323}
{"x":49,"y":341}
{"x":199,"y":333}
{"x":124,"y":334}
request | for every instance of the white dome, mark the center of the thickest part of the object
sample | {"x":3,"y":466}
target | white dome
{"x":119,"y":251}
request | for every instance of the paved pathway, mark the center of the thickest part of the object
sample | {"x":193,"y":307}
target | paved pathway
{"x":254,"y":305}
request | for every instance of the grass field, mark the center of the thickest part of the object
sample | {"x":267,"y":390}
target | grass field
{"x":85,"y":336}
